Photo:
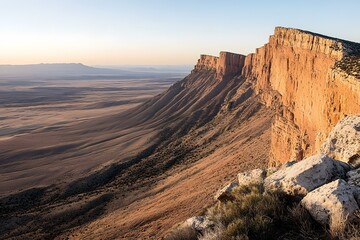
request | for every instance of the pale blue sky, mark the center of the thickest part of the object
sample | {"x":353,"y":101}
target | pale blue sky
{"x":110,"y":32}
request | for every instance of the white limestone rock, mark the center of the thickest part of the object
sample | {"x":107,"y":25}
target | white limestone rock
{"x":225,"y":194}
{"x":335,"y":200}
{"x":306,"y":175}
{"x":255,"y":176}
{"x":343,"y":142}
{"x":288,"y":164}
{"x":199,"y":223}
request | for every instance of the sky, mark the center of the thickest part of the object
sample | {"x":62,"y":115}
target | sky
{"x":158,"y":32}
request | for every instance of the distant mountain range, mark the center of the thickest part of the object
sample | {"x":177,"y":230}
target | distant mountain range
{"x":79,"y":71}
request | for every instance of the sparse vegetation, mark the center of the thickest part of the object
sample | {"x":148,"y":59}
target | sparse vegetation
{"x":256,"y":214}
{"x":341,"y":229}
{"x":350,"y":65}
{"x":183,"y":233}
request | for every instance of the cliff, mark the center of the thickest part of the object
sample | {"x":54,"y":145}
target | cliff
{"x":311,"y":81}
{"x":226,"y":65}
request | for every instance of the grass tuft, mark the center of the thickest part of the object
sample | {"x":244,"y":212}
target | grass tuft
{"x":183,"y":233}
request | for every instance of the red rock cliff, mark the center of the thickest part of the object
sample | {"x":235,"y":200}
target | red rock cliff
{"x":306,"y":79}
{"x":226,"y":65}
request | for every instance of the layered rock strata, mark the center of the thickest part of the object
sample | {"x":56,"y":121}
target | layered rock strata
{"x":304,"y":78}
{"x":311,"y":81}
{"x":226,"y":65}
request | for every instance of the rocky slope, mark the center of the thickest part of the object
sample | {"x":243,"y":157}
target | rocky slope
{"x":326,"y":189}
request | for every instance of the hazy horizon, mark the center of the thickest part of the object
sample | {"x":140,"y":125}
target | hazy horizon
{"x":159,"y":32}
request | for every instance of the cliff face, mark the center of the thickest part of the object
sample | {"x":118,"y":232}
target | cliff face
{"x":225,"y":66}
{"x":311,"y":81}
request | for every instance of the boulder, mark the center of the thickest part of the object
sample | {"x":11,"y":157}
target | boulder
{"x":343,"y":142}
{"x":306,"y":175}
{"x":225,"y":194}
{"x":353,"y":177}
{"x":199,"y":223}
{"x":271,"y":170}
{"x":255,"y":176}
{"x":335,"y":200}
{"x":288,"y":164}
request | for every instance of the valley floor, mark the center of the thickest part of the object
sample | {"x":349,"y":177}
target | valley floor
{"x":35,"y":112}
{"x":130,"y":174}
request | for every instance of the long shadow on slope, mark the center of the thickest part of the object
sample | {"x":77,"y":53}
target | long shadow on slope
{"x":168,"y":151}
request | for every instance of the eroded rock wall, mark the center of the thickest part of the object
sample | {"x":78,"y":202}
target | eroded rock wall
{"x":295,"y":75}
{"x":226,"y":65}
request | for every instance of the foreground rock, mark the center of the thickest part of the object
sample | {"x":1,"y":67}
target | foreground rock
{"x":343,"y":142}
{"x":255,"y":176}
{"x":304,"y":176}
{"x":199,"y":223}
{"x":354,"y":177}
{"x":225,"y":194}
{"x":335,"y":200}
{"x":288,"y":164}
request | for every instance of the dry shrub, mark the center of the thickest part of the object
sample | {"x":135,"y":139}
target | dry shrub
{"x":183,"y":233}
{"x":352,"y":232}
{"x":256,"y":214}
{"x":253,"y":214}
{"x":213,"y":234}
{"x":337,"y":225}
{"x":341,"y":228}
{"x":301,"y":225}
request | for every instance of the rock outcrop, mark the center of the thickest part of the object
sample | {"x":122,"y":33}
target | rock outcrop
{"x":306,"y":175}
{"x":229,"y":64}
{"x":255,"y":176}
{"x":199,"y":223}
{"x":226,"y":65}
{"x":305,"y":78}
{"x":207,"y":62}
{"x":333,"y":201}
{"x":247,"y":178}
{"x":224,"y":194}
{"x":343,"y":141}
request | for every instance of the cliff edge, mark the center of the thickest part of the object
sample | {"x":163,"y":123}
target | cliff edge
{"x":311,"y":81}
{"x":226,"y":65}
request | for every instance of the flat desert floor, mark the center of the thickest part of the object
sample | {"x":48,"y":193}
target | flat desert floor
{"x":34,"y":110}
{"x":30,"y":106}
